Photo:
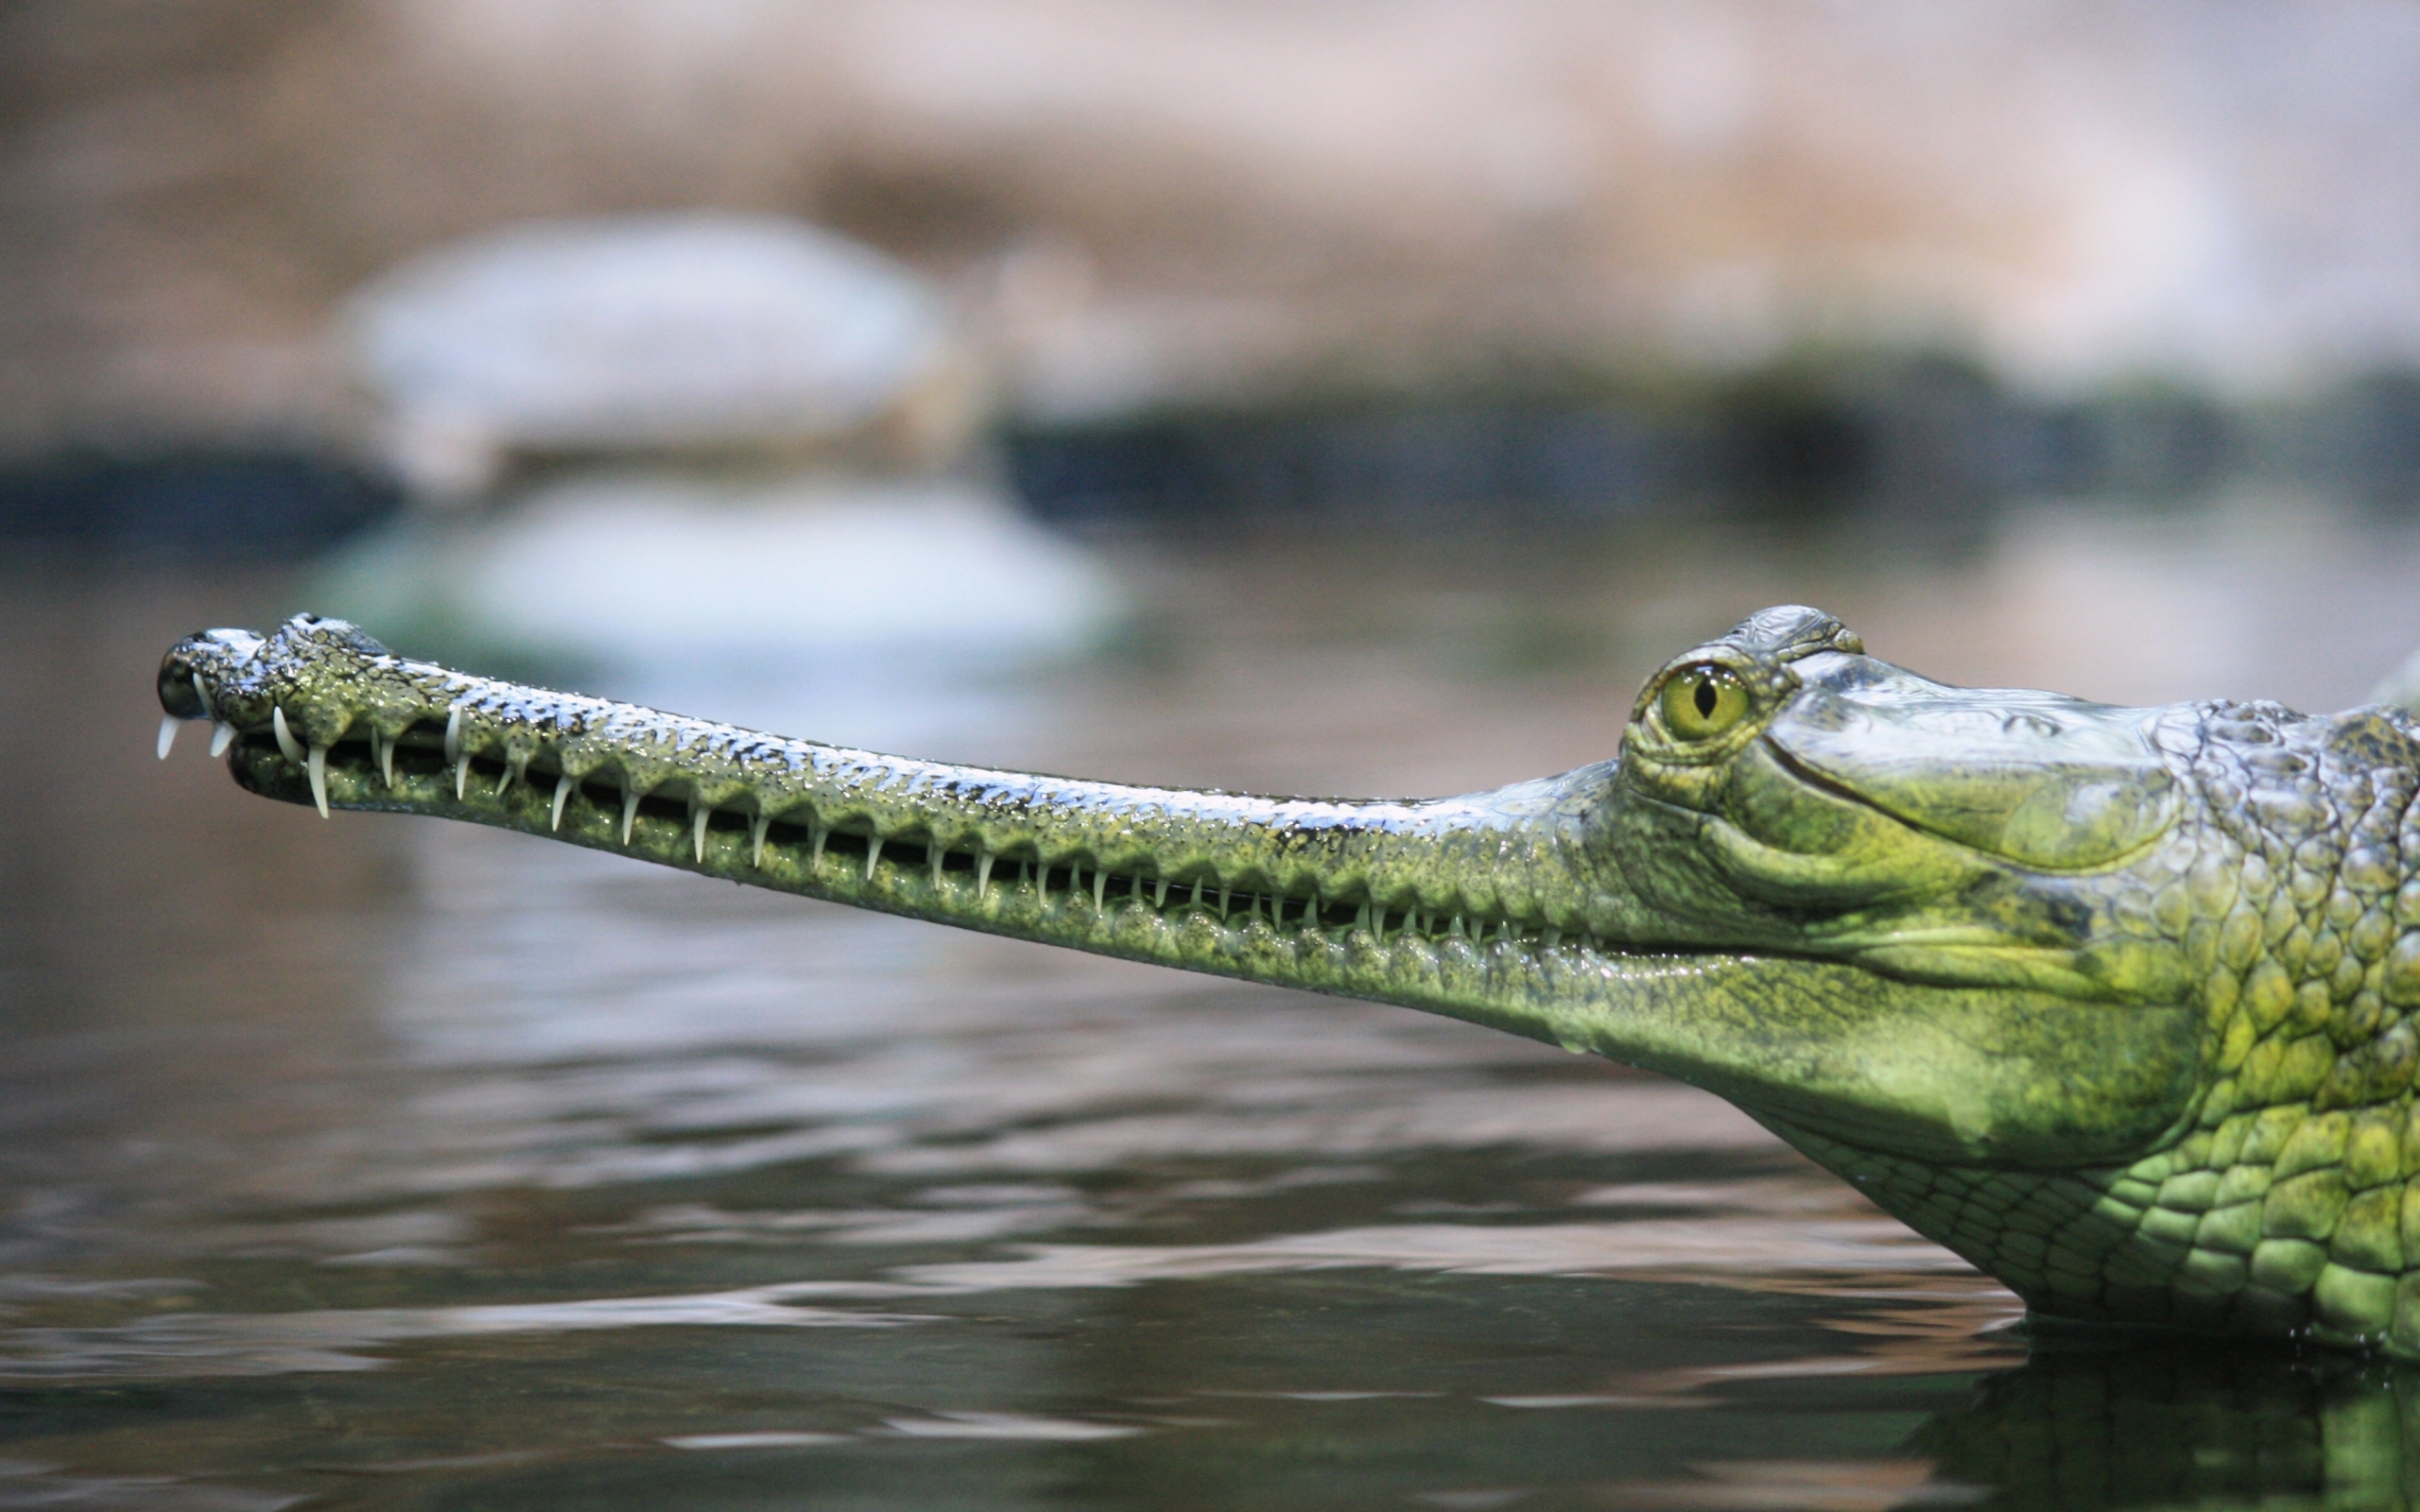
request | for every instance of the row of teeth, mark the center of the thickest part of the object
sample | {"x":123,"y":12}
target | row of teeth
{"x":1305,"y":913}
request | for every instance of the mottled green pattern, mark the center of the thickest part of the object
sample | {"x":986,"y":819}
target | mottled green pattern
{"x":2292,"y":1200}
{"x":2111,"y":1002}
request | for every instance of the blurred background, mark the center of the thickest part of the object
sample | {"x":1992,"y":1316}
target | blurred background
{"x":1337,"y":397}
{"x":1558,"y":260}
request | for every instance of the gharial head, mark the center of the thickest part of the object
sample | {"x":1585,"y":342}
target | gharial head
{"x":1945,"y":919}
{"x":1779,"y":788}
{"x":1911,"y":927}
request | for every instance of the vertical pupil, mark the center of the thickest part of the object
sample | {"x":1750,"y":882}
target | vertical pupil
{"x":1706,"y":697}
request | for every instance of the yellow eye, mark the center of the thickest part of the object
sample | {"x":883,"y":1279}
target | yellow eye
{"x":1700,"y":703}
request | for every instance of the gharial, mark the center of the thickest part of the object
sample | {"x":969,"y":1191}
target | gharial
{"x":2118,"y":1003}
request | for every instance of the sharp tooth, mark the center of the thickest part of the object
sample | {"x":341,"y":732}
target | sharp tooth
{"x":1457,"y":927}
{"x":1503,"y":929}
{"x":202,"y":693}
{"x":461,"y":775}
{"x":1361,"y":918}
{"x":221,"y":736}
{"x":563,"y":785}
{"x":817,"y":834}
{"x":168,"y":733}
{"x":1135,"y":887}
{"x":756,"y":840}
{"x":1276,"y":907}
{"x":1160,"y":895}
{"x":453,"y":733}
{"x":1225,"y":893}
{"x":1100,"y":888}
{"x":933,"y":858}
{"x":1042,"y":880}
{"x":384,"y":748}
{"x":1197,"y":891}
{"x":983,"y":860}
{"x":873,"y":854}
{"x":318,"y":766}
{"x":1553,"y":937}
{"x":286,"y":741}
{"x":630,"y":811}
{"x":512,"y":767}
{"x":698,"y":817}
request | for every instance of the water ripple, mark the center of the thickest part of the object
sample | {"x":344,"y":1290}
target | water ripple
{"x":258,"y":1344}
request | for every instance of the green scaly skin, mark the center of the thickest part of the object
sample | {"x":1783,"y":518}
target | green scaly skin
{"x":2114,"y":1003}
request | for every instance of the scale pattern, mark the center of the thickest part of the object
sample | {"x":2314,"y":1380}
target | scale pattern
{"x":2288,"y":1199}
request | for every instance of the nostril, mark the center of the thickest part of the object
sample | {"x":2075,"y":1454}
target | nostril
{"x":180,"y":692}
{"x":204,"y":672}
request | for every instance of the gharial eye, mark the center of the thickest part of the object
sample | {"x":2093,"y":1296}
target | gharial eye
{"x":1700,"y":703}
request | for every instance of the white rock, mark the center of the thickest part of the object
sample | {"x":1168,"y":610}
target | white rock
{"x":638,"y":334}
{"x":832,"y":606}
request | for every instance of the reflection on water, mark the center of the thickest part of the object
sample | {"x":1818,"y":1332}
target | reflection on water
{"x":2159,"y":1425}
{"x":380,"y":1163}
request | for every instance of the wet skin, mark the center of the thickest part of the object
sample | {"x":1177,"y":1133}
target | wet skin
{"x":2111,"y":1002}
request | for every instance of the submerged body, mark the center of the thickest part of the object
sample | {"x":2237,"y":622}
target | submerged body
{"x":2111,"y":1002}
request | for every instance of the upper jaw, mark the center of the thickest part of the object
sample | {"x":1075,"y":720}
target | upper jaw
{"x":322,"y":689}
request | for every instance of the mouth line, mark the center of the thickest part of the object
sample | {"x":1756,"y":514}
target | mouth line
{"x":1824,"y":783}
{"x":732,"y":842}
{"x":1832,"y":914}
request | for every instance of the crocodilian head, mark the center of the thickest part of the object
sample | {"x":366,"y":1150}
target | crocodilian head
{"x":1928,"y":905}
{"x":1868,"y":907}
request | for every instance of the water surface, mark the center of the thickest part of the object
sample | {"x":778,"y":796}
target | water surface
{"x":385,"y":1163}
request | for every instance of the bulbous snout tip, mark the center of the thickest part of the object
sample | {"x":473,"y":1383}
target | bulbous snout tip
{"x":183,"y":695}
{"x":196,"y":668}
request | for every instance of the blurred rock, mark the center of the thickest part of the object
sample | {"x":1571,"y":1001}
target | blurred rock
{"x":756,"y":335}
{"x":704,"y":443}
{"x":690,"y":582}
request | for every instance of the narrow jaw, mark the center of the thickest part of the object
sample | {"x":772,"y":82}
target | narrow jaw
{"x":1456,"y":904}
